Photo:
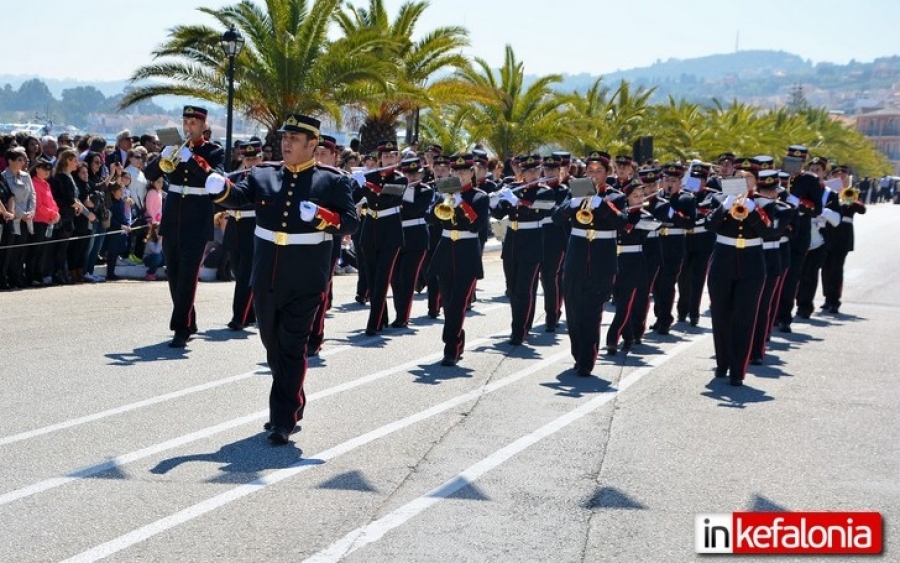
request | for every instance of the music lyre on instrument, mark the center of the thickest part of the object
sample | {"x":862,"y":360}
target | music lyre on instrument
{"x":170,"y":137}
{"x":447,"y":186}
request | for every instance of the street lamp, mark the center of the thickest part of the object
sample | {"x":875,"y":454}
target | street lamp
{"x":231,"y":43}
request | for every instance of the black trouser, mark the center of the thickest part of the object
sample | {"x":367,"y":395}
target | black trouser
{"x":641,"y":307}
{"x":833,"y":276}
{"x":38,"y":259}
{"x":183,"y":259}
{"x":522,"y":280}
{"x":6,"y":238}
{"x":406,"y":271}
{"x":551,"y":282}
{"x":630,"y":291}
{"x":456,"y":293}
{"x":317,"y":331}
{"x":379,"y":265}
{"x":733,"y":306}
{"x":15,"y":269}
{"x":768,"y":302}
{"x":809,"y":280}
{"x":362,"y":281}
{"x":284,"y":319}
{"x":692,"y":281}
{"x":242,"y":261}
{"x":584,"y":299}
{"x":791,"y":283}
{"x":664,"y":288}
{"x":60,"y":252}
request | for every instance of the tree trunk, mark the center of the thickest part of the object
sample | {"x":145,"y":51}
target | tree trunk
{"x":372,"y":132}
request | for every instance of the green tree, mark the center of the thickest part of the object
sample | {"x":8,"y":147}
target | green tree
{"x":79,"y":102}
{"x":288,"y":64}
{"x":411,"y":66}
{"x":33,"y":95}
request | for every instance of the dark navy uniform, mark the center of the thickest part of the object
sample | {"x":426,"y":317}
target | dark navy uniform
{"x":840,"y":243}
{"x":523,"y":249}
{"x":186,"y":227}
{"x":815,"y":257}
{"x":589,"y":270}
{"x":417,"y":199}
{"x":556,"y":237}
{"x":737,"y":273}
{"x":698,"y":246}
{"x":380,"y":239}
{"x":241,"y":226}
{"x":457,"y":265}
{"x":291,"y":266}
{"x":682,"y":216}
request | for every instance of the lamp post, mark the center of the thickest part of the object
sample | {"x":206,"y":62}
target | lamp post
{"x":231,"y":43}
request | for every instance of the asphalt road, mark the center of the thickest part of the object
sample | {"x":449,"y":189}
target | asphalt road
{"x":114,"y":447}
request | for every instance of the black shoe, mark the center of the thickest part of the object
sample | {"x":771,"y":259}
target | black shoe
{"x":279,"y":436}
{"x":433,"y":314}
{"x":359,"y":299}
{"x":721,"y":372}
{"x":112,"y":277}
{"x":662,"y":329}
{"x":514,"y":341}
{"x":179,"y":341}
{"x":626,"y":345}
{"x":682,"y":319}
{"x":785,"y":328}
{"x":550,"y":328}
{"x":736,"y":382}
{"x":371,"y":332}
{"x":399,"y":324}
{"x":313,"y":352}
{"x":583,"y":371}
{"x":804,"y":313}
{"x":449,"y":361}
{"x":611,"y":350}
{"x":638,"y":341}
{"x":756,"y":361}
{"x":270,"y":426}
{"x":234,"y":325}
{"x":695,"y":321}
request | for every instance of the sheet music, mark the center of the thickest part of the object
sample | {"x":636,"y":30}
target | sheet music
{"x":734,"y":186}
{"x":543,"y":204}
{"x":393,"y":189}
{"x":582,"y":187}
{"x":169,"y":137}
{"x":448,"y":185}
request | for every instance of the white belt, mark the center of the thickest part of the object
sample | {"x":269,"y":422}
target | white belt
{"x":414,"y":222}
{"x":592,"y":234}
{"x":695,"y":230}
{"x":186,"y":190}
{"x":738,"y":242}
{"x":238,"y":214}
{"x":653,"y":234}
{"x":666,"y":231}
{"x":783,"y":239}
{"x":847,"y":220}
{"x":546,"y":221}
{"x":456,"y":235}
{"x":630,"y":248}
{"x":771,"y":244}
{"x":516,"y":225}
{"x":379,"y":213}
{"x":285,"y":239}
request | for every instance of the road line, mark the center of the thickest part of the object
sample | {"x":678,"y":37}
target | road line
{"x":179,"y":441}
{"x":145,"y":532}
{"x":374,"y":531}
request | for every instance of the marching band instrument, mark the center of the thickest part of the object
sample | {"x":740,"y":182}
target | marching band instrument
{"x":739,"y":211}
{"x":584,"y":215}
{"x":169,"y":163}
{"x":445,"y":210}
{"x":848,"y":196}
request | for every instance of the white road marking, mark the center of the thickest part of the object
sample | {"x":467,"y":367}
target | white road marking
{"x":374,"y":531}
{"x":145,"y":532}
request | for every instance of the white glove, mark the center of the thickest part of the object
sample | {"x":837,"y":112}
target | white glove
{"x":185,"y":154}
{"x":167,"y":152}
{"x":793,"y":200}
{"x":308,"y":211}
{"x":457,"y":199}
{"x":507,"y":194}
{"x":596,"y":201}
{"x":215,"y":183}
{"x":494,"y":199}
{"x":831,"y":216}
{"x":729,"y":202}
{"x":409,"y":194}
{"x":576,"y":202}
{"x":751,"y":205}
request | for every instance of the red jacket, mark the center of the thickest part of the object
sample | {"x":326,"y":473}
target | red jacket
{"x":45,"y":209}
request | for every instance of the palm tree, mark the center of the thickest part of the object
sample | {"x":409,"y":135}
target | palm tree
{"x":611,"y":123}
{"x":518,"y":119}
{"x":411,"y":67}
{"x":288,"y":64}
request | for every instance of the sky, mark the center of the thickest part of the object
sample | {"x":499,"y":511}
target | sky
{"x":109,"y":40}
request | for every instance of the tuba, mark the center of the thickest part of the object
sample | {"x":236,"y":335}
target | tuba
{"x":169,"y":163}
{"x":848,"y":196}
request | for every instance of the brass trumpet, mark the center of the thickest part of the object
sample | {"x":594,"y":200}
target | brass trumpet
{"x":172,"y":161}
{"x":585,"y":215}
{"x":445,"y":210}
{"x":739,"y":210}
{"x":848,"y":196}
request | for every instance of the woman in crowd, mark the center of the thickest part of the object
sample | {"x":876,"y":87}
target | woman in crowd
{"x":6,"y":217}
{"x":118,"y":229}
{"x":137,"y":158}
{"x":23,"y":204}
{"x":65,"y":192}
{"x":153,"y":257}
{"x":46,"y":216}
{"x":84,"y":225}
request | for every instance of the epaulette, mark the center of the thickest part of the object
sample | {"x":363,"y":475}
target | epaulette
{"x":329,"y":168}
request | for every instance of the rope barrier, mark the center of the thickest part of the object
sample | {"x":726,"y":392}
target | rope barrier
{"x":138,"y":228}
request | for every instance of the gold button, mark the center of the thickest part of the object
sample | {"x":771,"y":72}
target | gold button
{"x":295,"y":175}
{"x":293,"y":184}
{"x":290,"y":193}
{"x":287,"y":203}
{"x":285,"y":213}
{"x":284,"y":224}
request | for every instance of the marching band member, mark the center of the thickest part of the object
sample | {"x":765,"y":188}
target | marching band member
{"x":682,"y":214}
{"x":300,"y":206}
{"x":590,"y":260}
{"x":441,"y":168}
{"x":780,"y":213}
{"x":187,"y":218}
{"x":818,"y":246}
{"x":523,"y":244}
{"x":417,"y":199}
{"x":840,"y":240}
{"x":457,"y":258}
{"x":624,"y":171}
{"x":698,"y":247}
{"x":381,"y":236}
{"x":240,"y":230}
{"x":555,"y":239}
{"x":631,"y":290}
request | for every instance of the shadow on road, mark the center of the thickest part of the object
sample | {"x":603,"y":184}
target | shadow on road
{"x":734,"y":397}
{"x":151,"y":353}
{"x":570,"y":384}
{"x":433,"y":374}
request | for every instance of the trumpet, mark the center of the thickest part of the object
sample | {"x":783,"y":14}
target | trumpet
{"x":584,"y":215}
{"x":172,"y":161}
{"x":445,"y":210}
{"x":739,"y":211}
{"x":848,"y":196}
